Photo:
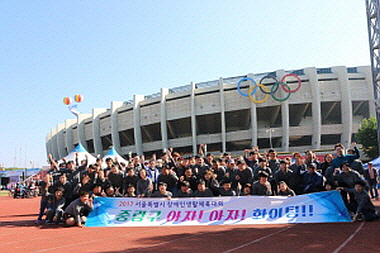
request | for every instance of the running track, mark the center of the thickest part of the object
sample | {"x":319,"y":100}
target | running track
{"x":19,"y":234}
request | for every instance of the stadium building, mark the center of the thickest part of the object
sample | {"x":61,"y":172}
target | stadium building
{"x":316,"y":108}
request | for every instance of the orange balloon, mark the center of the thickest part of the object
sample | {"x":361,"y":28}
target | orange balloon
{"x":67,"y":100}
{"x":78,"y":98}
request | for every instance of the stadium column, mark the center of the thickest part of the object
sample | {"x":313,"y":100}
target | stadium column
{"x":284,"y":117}
{"x":193,"y":118}
{"x":222,"y":114}
{"x":69,"y":135}
{"x":311,"y":74}
{"x":114,"y":125}
{"x":136,"y":123}
{"x":164,"y":126}
{"x":54,"y":138}
{"x":48,"y":144}
{"x":81,"y":132}
{"x":346,"y":105}
{"x":368,"y":77}
{"x":60,"y":140}
{"x":96,"y":129}
{"x":253,"y":120}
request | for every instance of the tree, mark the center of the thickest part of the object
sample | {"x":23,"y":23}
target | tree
{"x":367,"y":136}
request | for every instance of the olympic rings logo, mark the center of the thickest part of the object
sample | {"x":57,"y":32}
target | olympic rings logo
{"x":264,"y":89}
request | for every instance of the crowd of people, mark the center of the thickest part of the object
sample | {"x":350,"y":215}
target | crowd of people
{"x":68,"y":188}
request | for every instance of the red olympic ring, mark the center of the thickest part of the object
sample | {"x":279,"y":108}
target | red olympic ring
{"x":289,"y":90}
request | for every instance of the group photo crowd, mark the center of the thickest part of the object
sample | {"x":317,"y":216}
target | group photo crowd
{"x":68,"y":188}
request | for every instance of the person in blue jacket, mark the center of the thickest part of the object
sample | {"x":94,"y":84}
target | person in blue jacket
{"x":341,"y":157}
{"x":312,"y":180}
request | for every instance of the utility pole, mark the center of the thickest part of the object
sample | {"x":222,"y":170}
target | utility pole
{"x":373,"y":18}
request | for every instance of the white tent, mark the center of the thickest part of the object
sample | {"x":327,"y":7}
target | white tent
{"x":82,"y":152}
{"x":115,"y":156}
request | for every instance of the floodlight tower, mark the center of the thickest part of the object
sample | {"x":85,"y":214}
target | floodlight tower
{"x":373,"y":21}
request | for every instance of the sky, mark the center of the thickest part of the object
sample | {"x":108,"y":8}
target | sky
{"x":111,"y":50}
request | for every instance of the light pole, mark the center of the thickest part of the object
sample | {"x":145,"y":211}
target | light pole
{"x":270,"y":131}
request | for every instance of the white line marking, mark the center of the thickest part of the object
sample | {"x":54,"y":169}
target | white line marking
{"x":80,"y":243}
{"x":349,"y":239}
{"x":162,"y":243}
{"x":259,"y":239}
{"x":86,"y":242}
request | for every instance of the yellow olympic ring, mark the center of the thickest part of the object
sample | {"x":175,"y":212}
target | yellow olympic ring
{"x":251,"y":88}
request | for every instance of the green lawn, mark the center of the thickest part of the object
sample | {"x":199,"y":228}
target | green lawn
{"x":4,"y":193}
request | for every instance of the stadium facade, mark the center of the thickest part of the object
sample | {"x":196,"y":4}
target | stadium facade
{"x":327,"y":108}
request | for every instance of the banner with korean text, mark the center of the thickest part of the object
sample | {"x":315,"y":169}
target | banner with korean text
{"x":310,"y":208}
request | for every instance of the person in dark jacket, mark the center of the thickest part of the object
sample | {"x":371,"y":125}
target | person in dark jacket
{"x":262,"y":187}
{"x":75,"y":213}
{"x":362,"y":204}
{"x":116,"y":179}
{"x":184,"y":190}
{"x":191,"y":178}
{"x":211,"y":182}
{"x":67,"y":189}
{"x":56,"y":207}
{"x":144,"y":184}
{"x":284,"y":190}
{"x":46,"y":190}
{"x":226,"y":189}
{"x":244,"y":173}
{"x":312,"y":179}
{"x":169,"y":177}
{"x":203,"y":191}
{"x":347,"y":178}
{"x":285,"y":174}
{"x":162,"y":191}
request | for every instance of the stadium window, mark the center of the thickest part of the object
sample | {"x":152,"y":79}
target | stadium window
{"x":151,"y":132}
{"x":207,"y":92}
{"x":238,"y":145}
{"x":324,"y":71}
{"x":149,"y":154}
{"x":269,"y":116}
{"x":127,"y":137}
{"x":106,"y":141}
{"x":298,"y":112}
{"x":330,"y":139}
{"x":299,"y":72}
{"x":179,"y":128}
{"x":238,"y":120}
{"x":296,"y":141}
{"x":214,"y":147}
{"x":331,"y":113}
{"x":208,"y":124}
{"x":360,"y":108}
{"x":327,"y":79}
{"x":357,"y":79}
{"x":187,"y":150}
{"x":90,"y":146}
{"x":264,"y":143}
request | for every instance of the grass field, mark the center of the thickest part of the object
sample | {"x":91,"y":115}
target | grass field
{"x":4,"y":193}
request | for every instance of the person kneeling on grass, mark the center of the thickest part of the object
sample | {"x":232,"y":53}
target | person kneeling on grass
{"x":362,"y":204}
{"x":76,"y":212}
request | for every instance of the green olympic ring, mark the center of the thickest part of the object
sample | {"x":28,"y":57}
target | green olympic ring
{"x":273,"y":90}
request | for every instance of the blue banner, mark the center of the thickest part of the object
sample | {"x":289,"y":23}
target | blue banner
{"x":318,"y":207}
